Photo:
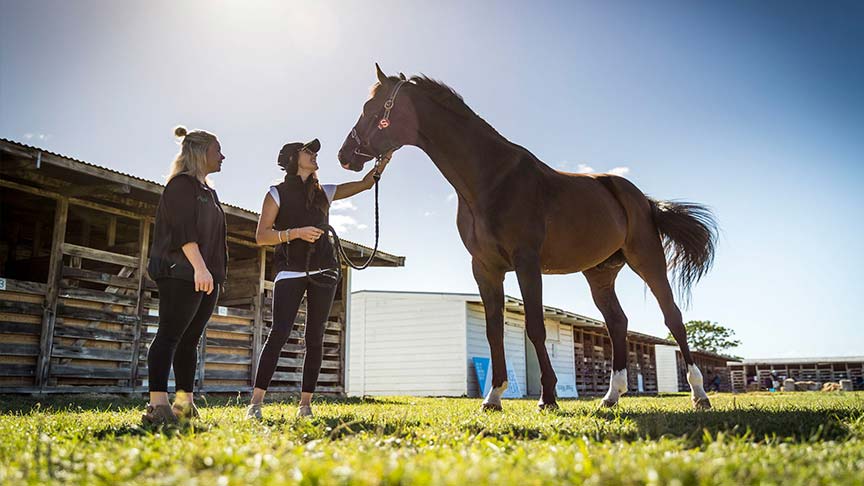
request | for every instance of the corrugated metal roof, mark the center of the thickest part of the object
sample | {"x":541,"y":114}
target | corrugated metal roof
{"x":101,"y":167}
{"x":44,"y":151}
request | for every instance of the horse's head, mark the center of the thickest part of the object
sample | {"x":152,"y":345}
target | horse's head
{"x":386,"y":123}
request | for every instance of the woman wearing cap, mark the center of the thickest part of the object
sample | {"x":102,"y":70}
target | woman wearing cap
{"x":188,"y":261}
{"x":291,"y":218}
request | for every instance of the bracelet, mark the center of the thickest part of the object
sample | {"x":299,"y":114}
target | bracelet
{"x":279,"y":234}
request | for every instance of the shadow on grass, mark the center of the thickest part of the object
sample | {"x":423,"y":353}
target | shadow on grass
{"x":293,"y":398}
{"x":88,"y":402}
{"x":338,"y":426}
{"x":103,"y":402}
{"x":692,"y":426}
{"x":755,"y":424}
{"x":142,"y":430}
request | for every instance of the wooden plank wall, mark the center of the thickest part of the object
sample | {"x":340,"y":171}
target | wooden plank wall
{"x":21,"y":308}
{"x":593,"y":356}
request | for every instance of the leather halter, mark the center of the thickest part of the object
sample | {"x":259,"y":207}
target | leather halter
{"x":383,"y":123}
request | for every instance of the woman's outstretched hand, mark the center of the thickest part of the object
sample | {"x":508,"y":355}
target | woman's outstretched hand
{"x":369,"y":178}
{"x":384,"y":161}
{"x":349,"y":189}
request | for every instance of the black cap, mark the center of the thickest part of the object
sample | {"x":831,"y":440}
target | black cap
{"x":289,"y":149}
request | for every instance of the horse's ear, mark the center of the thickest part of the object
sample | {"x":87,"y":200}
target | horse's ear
{"x":382,"y":78}
{"x":402,"y":77}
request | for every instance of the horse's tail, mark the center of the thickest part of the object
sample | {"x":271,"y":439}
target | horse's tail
{"x":689,"y":234}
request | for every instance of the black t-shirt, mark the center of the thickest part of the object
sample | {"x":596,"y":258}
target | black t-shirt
{"x":189,"y":211}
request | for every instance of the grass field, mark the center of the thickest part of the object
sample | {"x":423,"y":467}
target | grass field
{"x":803,"y":438}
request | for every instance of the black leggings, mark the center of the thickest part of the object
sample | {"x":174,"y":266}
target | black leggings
{"x":183,"y":315}
{"x":286,"y":302}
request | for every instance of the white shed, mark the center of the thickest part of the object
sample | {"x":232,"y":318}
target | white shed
{"x":671,"y":370}
{"x":667,"y":368}
{"x":418,"y":343}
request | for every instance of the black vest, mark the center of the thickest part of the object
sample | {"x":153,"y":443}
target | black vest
{"x":294,"y":214}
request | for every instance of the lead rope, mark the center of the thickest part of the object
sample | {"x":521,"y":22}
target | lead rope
{"x":333,"y":275}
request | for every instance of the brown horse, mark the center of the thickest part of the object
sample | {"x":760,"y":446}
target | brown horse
{"x":518,"y":214}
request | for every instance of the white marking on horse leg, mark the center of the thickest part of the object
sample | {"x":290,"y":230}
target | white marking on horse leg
{"x":617,"y":387}
{"x":694,"y":377}
{"x":493,"y":398}
{"x":698,"y":395}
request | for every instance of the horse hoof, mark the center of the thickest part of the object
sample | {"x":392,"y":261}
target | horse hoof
{"x":702,"y":403}
{"x":547,"y":406}
{"x":493,"y":407}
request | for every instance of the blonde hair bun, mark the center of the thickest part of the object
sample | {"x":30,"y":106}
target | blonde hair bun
{"x":180,"y":131}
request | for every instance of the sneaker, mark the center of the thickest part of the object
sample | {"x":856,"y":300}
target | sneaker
{"x":253,"y":412}
{"x":159,"y":415}
{"x":185,"y":411}
{"x":305,"y":411}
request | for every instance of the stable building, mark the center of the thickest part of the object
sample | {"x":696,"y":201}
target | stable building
{"x":756,"y":372}
{"x":78,"y":311}
{"x":426,"y":344}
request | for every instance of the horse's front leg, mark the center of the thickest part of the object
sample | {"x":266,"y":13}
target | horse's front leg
{"x":491,"y":285}
{"x":530,"y":280}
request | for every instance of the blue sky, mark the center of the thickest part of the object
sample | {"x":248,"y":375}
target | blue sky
{"x":755,"y":109}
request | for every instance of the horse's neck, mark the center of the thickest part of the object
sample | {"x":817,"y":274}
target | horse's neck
{"x":469,"y":156}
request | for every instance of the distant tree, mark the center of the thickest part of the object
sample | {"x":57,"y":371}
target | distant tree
{"x":709,"y":336}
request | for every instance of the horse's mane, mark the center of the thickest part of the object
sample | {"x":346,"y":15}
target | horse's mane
{"x":447,"y":98}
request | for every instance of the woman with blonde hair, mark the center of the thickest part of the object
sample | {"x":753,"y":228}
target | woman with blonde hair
{"x":292,"y":218}
{"x":188,"y":261}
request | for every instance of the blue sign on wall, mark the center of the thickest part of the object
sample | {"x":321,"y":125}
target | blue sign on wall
{"x":484,"y":378}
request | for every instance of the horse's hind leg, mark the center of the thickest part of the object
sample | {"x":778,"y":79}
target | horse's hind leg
{"x":645,"y":256}
{"x":601,"y":279}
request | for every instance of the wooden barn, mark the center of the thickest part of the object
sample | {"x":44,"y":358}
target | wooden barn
{"x":77,"y":310}
{"x":818,"y":370}
{"x":593,"y":351}
{"x":420,"y":343}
